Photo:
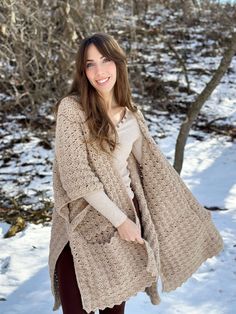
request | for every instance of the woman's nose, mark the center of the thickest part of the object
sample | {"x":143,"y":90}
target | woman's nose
{"x":99,"y":69}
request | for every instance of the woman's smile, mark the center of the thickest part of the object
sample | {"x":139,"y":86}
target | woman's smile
{"x":103,"y":81}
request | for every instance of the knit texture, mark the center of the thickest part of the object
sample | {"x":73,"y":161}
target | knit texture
{"x":179,"y":234}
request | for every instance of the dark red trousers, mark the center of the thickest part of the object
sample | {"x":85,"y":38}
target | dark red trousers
{"x":69,"y":291}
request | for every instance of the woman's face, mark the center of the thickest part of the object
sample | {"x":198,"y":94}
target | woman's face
{"x":100,"y":71}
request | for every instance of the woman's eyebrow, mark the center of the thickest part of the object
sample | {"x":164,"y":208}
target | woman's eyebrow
{"x":93,"y":60}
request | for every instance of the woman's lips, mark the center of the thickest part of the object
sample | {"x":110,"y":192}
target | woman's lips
{"x":103,"y":81}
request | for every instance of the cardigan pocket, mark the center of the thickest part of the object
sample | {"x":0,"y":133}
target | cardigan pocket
{"x":117,"y":252}
{"x":78,"y":218}
{"x":92,"y":226}
{"x":100,"y":243}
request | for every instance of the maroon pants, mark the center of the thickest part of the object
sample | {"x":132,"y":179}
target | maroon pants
{"x":69,"y":291}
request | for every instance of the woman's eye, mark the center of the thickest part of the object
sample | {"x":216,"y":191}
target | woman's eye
{"x":88,"y":65}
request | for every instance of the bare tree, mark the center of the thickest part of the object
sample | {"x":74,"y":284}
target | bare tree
{"x":190,"y":10}
{"x":38,"y":42}
{"x":195,"y":108}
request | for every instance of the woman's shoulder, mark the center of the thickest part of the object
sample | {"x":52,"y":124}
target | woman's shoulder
{"x":70,"y":107}
{"x":138,"y":112}
{"x":67,"y":103}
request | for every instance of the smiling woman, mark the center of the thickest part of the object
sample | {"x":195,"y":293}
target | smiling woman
{"x":122,"y":216}
{"x":104,"y":98}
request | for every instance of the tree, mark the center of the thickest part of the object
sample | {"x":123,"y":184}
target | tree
{"x":196,"y":106}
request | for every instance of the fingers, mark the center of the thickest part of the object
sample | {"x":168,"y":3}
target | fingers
{"x":139,"y":240}
{"x":130,"y":232}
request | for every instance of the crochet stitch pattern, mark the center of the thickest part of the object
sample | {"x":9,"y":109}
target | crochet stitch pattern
{"x":179,"y":234}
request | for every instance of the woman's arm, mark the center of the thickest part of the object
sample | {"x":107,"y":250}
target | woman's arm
{"x":102,"y":203}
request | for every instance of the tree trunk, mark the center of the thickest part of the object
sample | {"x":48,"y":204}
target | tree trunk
{"x":189,"y":9}
{"x":196,"y":106}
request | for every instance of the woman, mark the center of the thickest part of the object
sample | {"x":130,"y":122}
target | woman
{"x":122,"y":215}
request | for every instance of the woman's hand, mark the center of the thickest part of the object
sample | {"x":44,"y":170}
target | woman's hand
{"x":129,"y":231}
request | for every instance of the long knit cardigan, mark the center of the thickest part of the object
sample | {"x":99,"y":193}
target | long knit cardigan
{"x":179,"y":234}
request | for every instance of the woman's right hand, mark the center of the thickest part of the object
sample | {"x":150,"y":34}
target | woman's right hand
{"x":129,"y":231}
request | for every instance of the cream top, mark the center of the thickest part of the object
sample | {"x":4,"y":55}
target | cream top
{"x":130,"y":139}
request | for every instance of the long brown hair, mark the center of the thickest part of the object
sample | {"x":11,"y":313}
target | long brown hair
{"x":100,"y":125}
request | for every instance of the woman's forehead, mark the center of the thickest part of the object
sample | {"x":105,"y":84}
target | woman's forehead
{"x":93,"y":52}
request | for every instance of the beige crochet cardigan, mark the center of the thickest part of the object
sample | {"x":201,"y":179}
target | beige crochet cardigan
{"x":179,"y":233}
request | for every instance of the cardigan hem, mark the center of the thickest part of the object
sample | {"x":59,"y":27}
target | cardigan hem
{"x":155,"y":301}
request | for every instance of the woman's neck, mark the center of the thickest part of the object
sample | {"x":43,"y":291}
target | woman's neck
{"x":110,"y":102}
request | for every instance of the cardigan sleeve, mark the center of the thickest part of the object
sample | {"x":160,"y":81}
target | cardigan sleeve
{"x":76,"y":176}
